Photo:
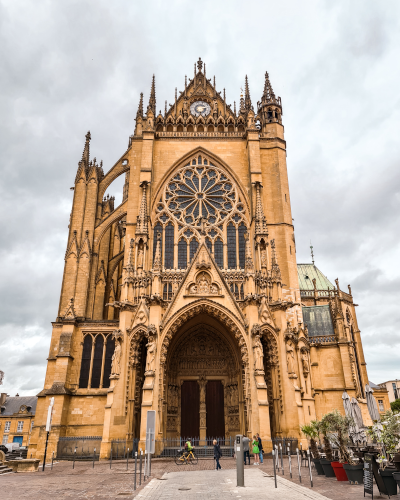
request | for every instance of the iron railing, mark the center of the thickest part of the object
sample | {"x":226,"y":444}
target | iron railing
{"x":203,"y":447}
{"x":82,"y":448}
{"x":293,"y":443}
{"x":120,"y":447}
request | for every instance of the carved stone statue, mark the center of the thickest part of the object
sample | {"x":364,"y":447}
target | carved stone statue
{"x":116,"y":359}
{"x":263,"y":257}
{"x":304,"y":362}
{"x":203,"y":286}
{"x":290,"y":358}
{"x":151,"y":354}
{"x":140,"y":258}
{"x":235,"y":396}
{"x":258,"y":354}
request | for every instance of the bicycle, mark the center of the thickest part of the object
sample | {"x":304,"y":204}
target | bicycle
{"x":186,"y":457}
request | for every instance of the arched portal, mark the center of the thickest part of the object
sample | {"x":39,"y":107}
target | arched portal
{"x":204,"y":381}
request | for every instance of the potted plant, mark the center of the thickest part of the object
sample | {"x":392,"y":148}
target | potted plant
{"x":311,"y":432}
{"x":387,"y":435}
{"x":326,"y":462}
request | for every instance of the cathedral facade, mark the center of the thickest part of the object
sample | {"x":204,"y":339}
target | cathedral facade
{"x":187,"y":298}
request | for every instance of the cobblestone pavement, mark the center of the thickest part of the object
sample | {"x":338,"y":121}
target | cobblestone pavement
{"x":102,"y":483}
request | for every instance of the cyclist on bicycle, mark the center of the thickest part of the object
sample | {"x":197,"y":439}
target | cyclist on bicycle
{"x":188,"y":447}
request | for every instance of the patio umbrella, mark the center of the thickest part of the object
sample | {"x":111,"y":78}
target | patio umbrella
{"x":349,"y":413}
{"x":371,"y":403}
{"x":361,"y":437}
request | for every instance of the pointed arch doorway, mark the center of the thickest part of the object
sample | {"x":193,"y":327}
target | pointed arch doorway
{"x":204,"y":382}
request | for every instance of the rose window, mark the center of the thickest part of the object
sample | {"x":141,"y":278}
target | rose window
{"x":201,"y":198}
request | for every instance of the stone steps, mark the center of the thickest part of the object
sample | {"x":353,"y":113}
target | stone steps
{"x":4,"y":469}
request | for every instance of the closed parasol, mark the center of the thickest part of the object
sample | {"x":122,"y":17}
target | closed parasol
{"x":372,"y":406}
{"x":360,"y":437}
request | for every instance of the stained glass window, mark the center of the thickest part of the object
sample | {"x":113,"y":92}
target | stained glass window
{"x":209,"y":245}
{"x":167,"y":291}
{"x":231,"y":241}
{"x":194,"y":245}
{"x":219,"y":253}
{"x":85,"y":365}
{"x":182,"y":254}
{"x":97,"y":362}
{"x":169,"y":247}
{"x":242,"y":245}
{"x":107,"y":362}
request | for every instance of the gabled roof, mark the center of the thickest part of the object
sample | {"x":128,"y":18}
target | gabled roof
{"x":307,"y":272}
{"x":13,"y":404}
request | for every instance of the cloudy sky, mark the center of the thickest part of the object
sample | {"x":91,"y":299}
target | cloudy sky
{"x":67,"y":66}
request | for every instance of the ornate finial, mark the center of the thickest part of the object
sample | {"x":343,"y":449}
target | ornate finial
{"x":234,"y":107}
{"x":142,"y":218}
{"x":247,"y":100}
{"x":312,"y":252}
{"x":268,"y":91}
{"x":86,"y":149}
{"x":165,"y":109}
{"x":129,"y":270}
{"x":242,"y":109}
{"x":249,"y":266}
{"x":261,"y":221}
{"x":349,"y":287}
{"x":140,"y":107}
{"x":215,"y":88}
{"x":275,"y":269}
{"x":157,"y":257}
{"x":200,"y":64}
{"x":152,"y":100}
{"x":185,"y":85}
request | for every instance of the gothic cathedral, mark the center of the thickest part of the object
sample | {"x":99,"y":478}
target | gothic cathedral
{"x":187,"y":298}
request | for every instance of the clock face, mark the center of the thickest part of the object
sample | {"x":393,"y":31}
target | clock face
{"x":200,"y":108}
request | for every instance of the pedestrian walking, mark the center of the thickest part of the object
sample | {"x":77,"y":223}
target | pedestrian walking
{"x":217,"y":453}
{"x":246,"y":449}
{"x":260,"y":448}
{"x":256,"y":450}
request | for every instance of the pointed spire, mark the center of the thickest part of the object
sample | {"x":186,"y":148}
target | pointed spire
{"x":247,"y":99}
{"x":242,"y":109}
{"x":200,"y":64}
{"x":152,"y":100}
{"x":165,"y":115}
{"x":312,"y":252}
{"x":268,"y":91}
{"x":86,"y":150}
{"x":142,"y":218}
{"x":128,"y":272}
{"x":261,"y":221}
{"x":234,"y":107}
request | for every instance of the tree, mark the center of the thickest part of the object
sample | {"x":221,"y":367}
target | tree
{"x":395,"y":406}
{"x":337,"y":428}
{"x":324,"y":429}
{"x":311,"y":431}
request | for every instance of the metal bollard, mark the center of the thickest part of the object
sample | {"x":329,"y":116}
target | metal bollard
{"x":110,"y":457}
{"x":290,"y":461}
{"x":283,"y":470}
{"x":134,"y":486}
{"x":140,"y":467}
{"x":94,"y":454}
{"x":144,"y":471}
{"x":298,"y":463}
{"x":52,"y":459}
{"x":73,"y":463}
{"x":127,"y":459}
{"x":277,"y":457}
{"x":309,"y":466}
{"x":273,"y":460}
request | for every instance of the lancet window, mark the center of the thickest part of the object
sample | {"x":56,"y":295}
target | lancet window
{"x":200,"y":198}
{"x":97,"y":353}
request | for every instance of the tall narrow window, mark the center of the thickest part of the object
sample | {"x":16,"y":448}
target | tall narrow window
{"x":242,"y":245}
{"x":85,"y":365}
{"x":219,"y":253}
{"x":241,"y":292}
{"x":208,"y":243}
{"x":194,"y":245}
{"x":182,"y":254}
{"x":97,"y":362}
{"x":20,"y":426}
{"x":157,"y":229}
{"x":169,"y":247}
{"x":167,"y":291}
{"x":231,"y":240}
{"x":110,"y":347}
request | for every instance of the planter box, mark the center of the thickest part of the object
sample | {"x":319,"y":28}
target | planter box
{"x":318,"y":466}
{"x":389,"y":481}
{"x":396,"y":477}
{"x":355,"y":473}
{"x":327,"y":467}
{"x":340,"y":473}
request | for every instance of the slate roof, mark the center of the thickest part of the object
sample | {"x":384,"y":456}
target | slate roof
{"x":13,"y":404}
{"x":307,"y":272}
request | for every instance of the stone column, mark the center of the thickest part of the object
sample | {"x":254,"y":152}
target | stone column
{"x":203,"y":411}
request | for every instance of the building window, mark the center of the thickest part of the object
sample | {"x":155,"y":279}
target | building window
{"x":167,"y":291}
{"x":5,"y":439}
{"x":169,"y":247}
{"x":182,"y":254}
{"x":219,"y":253}
{"x":380,"y":403}
{"x":7,"y":426}
{"x":96,"y":361}
{"x":231,"y":240}
{"x":395,"y":391}
{"x":194,"y":245}
{"x":20,"y":426}
{"x":157,"y":229}
{"x":242,"y":245}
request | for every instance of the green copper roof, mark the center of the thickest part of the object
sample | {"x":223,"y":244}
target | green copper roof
{"x":307,"y":272}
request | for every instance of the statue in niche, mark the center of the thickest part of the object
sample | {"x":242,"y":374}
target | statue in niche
{"x":215,"y":106}
{"x":235,"y":396}
{"x":304,"y":362}
{"x":263,"y":257}
{"x":140,"y":258}
{"x":258,"y":354}
{"x":203,"y":285}
{"x":151,"y":354}
{"x":116,"y":359}
{"x":290,"y":359}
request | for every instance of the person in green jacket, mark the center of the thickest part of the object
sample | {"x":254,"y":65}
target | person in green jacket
{"x":256,"y":450}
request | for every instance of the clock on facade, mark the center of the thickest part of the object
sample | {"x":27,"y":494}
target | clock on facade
{"x":200,"y":108}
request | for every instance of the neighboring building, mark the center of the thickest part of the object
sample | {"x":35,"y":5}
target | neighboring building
{"x":185,"y":299}
{"x":17,"y":415}
{"x":381,"y":396}
{"x":393,"y":388}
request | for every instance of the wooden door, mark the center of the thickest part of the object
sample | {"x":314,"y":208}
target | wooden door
{"x":190,"y":409}
{"x":215,"y":409}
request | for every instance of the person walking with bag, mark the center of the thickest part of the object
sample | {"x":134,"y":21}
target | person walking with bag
{"x":260,"y":448}
{"x":217,"y":453}
{"x":256,"y":450}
